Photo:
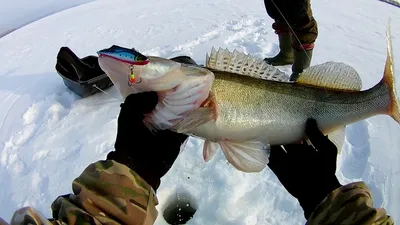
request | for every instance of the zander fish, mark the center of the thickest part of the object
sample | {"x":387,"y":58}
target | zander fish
{"x":242,"y":105}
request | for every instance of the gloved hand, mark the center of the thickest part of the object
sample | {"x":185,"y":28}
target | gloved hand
{"x":307,"y":173}
{"x":149,"y":154}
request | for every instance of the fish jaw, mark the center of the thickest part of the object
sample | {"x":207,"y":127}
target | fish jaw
{"x":180,"y":88}
{"x":126,"y":55}
{"x":147,"y":77}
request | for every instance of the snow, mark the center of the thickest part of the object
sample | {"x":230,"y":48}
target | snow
{"x":48,"y":135}
{"x":17,"y":13}
{"x":393,"y":2}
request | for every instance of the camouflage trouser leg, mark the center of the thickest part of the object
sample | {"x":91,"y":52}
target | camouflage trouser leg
{"x":300,"y":17}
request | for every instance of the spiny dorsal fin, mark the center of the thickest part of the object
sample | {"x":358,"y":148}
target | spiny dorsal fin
{"x":332,"y":75}
{"x":240,"y":63}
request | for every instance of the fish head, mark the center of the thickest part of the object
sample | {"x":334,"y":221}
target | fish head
{"x":133,"y":72}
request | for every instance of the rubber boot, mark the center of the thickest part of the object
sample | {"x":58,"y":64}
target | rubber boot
{"x":285,"y":55}
{"x":302,"y":60}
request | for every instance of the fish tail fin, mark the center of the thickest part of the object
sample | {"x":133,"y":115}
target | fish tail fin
{"x":389,"y":80}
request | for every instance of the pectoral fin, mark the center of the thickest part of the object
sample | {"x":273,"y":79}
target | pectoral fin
{"x":248,"y":157}
{"x":194,"y":119}
{"x":184,"y":99}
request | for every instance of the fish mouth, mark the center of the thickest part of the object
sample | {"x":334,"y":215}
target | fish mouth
{"x":126,"y":55}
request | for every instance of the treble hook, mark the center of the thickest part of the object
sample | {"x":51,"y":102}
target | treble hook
{"x":132,"y":79}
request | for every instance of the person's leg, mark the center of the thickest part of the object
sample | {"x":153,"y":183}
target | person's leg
{"x":285,"y":55}
{"x":305,"y":33}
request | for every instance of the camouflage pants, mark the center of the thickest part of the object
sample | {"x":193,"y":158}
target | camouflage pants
{"x":298,"y":14}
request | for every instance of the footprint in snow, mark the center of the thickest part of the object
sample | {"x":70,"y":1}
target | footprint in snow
{"x":243,"y":34}
{"x":39,"y":182}
{"x":376,"y":181}
{"x":11,"y":161}
{"x":69,"y":153}
{"x":355,"y":155}
{"x":247,"y":36}
{"x":45,"y":113}
{"x":60,"y":106}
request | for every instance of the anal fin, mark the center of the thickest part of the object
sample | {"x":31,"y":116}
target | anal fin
{"x":251,"y":156}
{"x":337,"y":137}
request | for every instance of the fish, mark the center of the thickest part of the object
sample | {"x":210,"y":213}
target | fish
{"x":243,"y":106}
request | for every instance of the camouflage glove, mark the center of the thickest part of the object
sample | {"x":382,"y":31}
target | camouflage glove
{"x":306,"y":172}
{"x":149,"y":154}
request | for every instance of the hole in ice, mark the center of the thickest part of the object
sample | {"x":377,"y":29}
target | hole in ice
{"x":180,"y":208}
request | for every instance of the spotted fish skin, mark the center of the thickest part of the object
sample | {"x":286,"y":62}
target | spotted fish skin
{"x":126,"y":55}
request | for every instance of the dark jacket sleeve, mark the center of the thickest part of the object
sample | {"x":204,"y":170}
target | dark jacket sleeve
{"x":105,"y":193}
{"x":350,"y":204}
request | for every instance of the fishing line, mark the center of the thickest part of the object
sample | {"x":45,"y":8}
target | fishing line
{"x":294,"y":34}
{"x":95,"y":86}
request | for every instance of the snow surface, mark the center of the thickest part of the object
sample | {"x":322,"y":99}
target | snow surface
{"x":48,"y":135}
{"x":393,"y":2}
{"x":17,"y":13}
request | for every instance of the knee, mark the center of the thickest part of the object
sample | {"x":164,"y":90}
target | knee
{"x":281,"y":27}
{"x":271,"y":10}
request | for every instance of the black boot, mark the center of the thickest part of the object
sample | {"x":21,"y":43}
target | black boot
{"x":285,"y":55}
{"x":302,"y":60}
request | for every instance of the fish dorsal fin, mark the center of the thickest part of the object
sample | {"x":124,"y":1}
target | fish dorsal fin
{"x":240,"y":63}
{"x":332,"y":75}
